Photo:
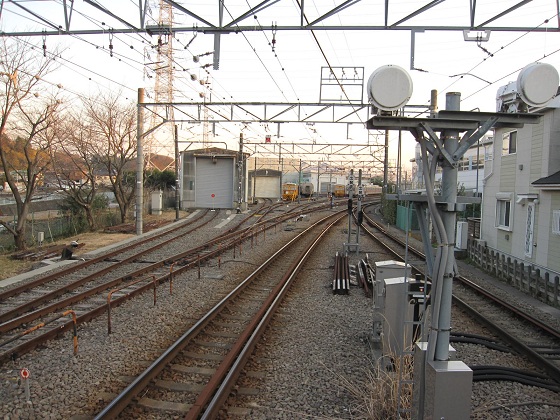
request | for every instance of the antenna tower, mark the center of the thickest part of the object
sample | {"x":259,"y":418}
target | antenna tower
{"x":161,"y":141}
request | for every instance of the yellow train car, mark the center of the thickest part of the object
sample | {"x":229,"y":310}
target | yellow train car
{"x":289,"y":191}
{"x":339,"y":190}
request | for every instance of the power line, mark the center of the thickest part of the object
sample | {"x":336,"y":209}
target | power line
{"x":493,"y":55}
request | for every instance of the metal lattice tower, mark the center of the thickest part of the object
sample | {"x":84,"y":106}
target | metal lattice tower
{"x":161,"y":141}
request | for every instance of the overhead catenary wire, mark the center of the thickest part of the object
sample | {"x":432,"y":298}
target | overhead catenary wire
{"x":326,"y":59}
{"x":492,"y":55}
{"x":71,"y":63}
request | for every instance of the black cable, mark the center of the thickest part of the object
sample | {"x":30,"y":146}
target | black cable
{"x":458,"y":337}
{"x":500,"y":373}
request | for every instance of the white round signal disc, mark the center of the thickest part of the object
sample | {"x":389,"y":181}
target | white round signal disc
{"x":537,"y":84}
{"x":24,"y":373}
{"x":389,"y":87}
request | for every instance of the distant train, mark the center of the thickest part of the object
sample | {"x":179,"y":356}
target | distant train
{"x":306,"y":189}
{"x":290,"y":190}
{"x":339,"y":190}
{"x":372,"y":189}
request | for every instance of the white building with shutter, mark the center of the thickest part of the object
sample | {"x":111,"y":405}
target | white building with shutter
{"x":211,"y":178}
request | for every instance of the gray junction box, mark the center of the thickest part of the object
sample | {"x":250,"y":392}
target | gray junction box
{"x":384,"y":270}
{"x":398,"y":316}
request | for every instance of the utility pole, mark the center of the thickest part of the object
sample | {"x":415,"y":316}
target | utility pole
{"x":240,"y":174}
{"x":255,"y":181}
{"x":177,"y":200}
{"x":359,"y":207}
{"x":318,"y":176}
{"x":281,"y":167}
{"x":350,"y":195}
{"x":299,"y":184}
{"x":139,"y":162}
{"x":386,"y":164}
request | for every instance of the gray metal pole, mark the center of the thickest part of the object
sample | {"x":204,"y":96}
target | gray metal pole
{"x":177,"y":201}
{"x":299,"y":184}
{"x":139,"y":162}
{"x":350,"y":195}
{"x":359,"y":206}
{"x":386,"y":163}
{"x":255,"y":181}
{"x":240,"y":173}
{"x":449,"y":216}
{"x":281,"y":167}
{"x":318,"y":176}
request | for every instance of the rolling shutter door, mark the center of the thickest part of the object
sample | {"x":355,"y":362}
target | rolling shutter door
{"x":214,"y":177}
{"x":267,"y":187}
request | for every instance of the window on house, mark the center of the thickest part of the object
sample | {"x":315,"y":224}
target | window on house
{"x":556,"y":222}
{"x":509,"y":145}
{"x":503,"y":214}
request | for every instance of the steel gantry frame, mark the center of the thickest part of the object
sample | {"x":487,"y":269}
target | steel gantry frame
{"x":213,"y":24}
{"x":279,"y":113}
{"x":202,"y":24}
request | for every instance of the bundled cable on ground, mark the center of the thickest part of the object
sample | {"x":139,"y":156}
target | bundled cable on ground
{"x":501,"y":373}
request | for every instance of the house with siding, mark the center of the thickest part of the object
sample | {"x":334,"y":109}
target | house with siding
{"x":521,"y":195}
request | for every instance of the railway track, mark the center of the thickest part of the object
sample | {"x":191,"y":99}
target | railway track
{"x":196,"y":374}
{"x":46,"y":307}
{"x":524,"y":334}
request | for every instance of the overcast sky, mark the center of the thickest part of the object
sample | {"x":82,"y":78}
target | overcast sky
{"x":251,"y":71}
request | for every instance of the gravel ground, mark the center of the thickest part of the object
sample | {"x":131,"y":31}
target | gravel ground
{"x":315,"y":360}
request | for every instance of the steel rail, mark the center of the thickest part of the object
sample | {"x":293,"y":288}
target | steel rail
{"x":469,"y":283}
{"x":262,"y":320}
{"x":229,"y":240}
{"x":75,"y":267}
{"x":552,"y":370}
{"x":143,"y":380}
{"x":7,"y":320}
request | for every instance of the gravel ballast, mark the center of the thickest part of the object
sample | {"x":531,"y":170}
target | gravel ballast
{"x":317,"y":342}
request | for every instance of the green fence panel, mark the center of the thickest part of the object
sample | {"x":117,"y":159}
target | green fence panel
{"x":412,"y":218}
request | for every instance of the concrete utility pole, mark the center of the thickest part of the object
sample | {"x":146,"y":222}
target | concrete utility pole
{"x":359,"y":206}
{"x":350,"y":196}
{"x":139,"y":162}
{"x":177,"y":200}
{"x":299,"y":184}
{"x":255,"y":181}
{"x":318,"y":177}
{"x":386,"y":163}
{"x":281,"y":167}
{"x":240,"y":174}
{"x":449,"y":217}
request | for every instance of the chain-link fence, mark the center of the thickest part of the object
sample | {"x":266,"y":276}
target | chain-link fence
{"x":48,"y":226}
{"x":46,"y":217}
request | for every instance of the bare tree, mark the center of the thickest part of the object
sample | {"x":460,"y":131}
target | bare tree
{"x":76,"y":165}
{"x":29,"y":120}
{"x":113,"y":125}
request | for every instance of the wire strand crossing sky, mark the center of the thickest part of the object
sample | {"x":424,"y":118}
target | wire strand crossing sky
{"x":253,"y":68}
